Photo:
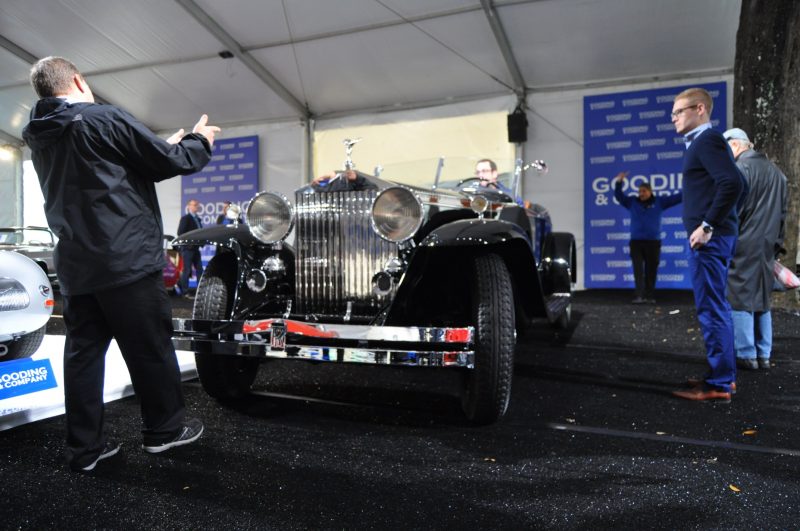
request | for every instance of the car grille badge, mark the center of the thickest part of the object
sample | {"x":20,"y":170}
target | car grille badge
{"x":277,"y":339}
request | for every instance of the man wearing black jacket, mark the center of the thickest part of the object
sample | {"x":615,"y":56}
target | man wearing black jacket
{"x":711,"y":189}
{"x":97,"y":166}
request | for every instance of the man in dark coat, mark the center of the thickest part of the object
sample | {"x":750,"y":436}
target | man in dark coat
{"x":761,"y":229}
{"x":645,"y":245}
{"x":190,"y":254}
{"x":342,"y":181}
{"x":712,"y":186}
{"x":97,"y":166}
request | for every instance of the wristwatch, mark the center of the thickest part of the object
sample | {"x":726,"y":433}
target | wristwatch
{"x":708,"y":229}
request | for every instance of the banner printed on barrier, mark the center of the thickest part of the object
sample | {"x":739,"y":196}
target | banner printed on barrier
{"x":25,"y":376}
{"x":633,"y":132}
{"x":231,"y":175}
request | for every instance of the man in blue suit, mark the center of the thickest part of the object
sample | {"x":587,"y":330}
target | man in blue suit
{"x":711,"y":188}
{"x":190,"y":254}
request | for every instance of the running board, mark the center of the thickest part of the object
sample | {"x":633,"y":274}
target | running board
{"x":557,"y":303}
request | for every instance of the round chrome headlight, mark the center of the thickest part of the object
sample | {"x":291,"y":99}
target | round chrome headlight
{"x":270,"y":217}
{"x":396,"y":214}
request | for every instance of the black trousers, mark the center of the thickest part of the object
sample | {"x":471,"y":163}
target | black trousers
{"x":191,"y":259}
{"x":139,"y":317}
{"x":645,"y":255}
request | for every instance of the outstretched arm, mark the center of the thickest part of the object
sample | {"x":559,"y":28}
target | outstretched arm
{"x":671,"y":200}
{"x":621,"y":198}
{"x":155,"y":158}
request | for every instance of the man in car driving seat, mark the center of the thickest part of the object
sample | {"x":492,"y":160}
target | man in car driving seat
{"x":486,"y":172}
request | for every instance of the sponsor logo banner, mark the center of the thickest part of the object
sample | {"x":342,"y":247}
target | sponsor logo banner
{"x":21,"y":377}
{"x":231,"y":175}
{"x":632,"y":131}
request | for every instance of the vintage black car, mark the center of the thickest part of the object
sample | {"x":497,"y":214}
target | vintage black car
{"x":378,"y":273}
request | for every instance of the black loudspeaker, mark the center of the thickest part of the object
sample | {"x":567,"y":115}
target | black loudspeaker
{"x":517,"y":127}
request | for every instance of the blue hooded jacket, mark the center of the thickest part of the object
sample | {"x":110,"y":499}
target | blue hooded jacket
{"x":646,"y":215}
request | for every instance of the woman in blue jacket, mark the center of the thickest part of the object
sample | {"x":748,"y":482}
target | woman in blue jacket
{"x":646,"y":210}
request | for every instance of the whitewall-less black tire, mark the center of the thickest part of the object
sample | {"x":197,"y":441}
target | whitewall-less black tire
{"x":488,"y":387}
{"x":223,"y":377}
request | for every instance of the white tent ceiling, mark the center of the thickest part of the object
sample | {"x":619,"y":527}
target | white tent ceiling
{"x":319,"y":58}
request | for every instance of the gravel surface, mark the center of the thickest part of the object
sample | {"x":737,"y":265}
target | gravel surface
{"x":592,"y":439}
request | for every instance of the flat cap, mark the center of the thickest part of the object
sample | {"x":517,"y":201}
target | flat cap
{"x":735,"y":134}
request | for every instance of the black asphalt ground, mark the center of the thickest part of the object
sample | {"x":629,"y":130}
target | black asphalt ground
{"x":592,"y":439}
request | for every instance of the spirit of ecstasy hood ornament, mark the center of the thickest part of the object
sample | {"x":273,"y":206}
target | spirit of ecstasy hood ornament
{"x":348,"y":152}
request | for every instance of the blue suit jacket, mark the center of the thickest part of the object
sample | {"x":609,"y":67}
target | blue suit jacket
{"x":712,"y":185}
{"x":187,"y":223}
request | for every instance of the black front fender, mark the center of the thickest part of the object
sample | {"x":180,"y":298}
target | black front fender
{"x":439,"y":275}
{"x":220,"y":235}
{"x":474,"y":232}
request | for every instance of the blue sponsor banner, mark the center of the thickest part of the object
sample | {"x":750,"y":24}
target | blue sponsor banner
{"x":633,"y":132}
{"x":21,"y":377}
{"x":231,"y":175}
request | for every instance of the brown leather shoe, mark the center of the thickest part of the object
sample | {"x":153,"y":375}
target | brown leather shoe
{"x":703,"y":394}
{"x":698,"y":382}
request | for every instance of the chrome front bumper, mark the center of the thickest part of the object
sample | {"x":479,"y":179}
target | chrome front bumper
{"x":343,"y":343}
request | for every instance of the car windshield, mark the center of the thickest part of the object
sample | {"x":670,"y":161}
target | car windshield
{"x":451,"y":170}
{"x":26,"y":236}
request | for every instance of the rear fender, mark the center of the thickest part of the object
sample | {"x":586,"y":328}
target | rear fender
{"x":517,"y":215}
{"x":559,"y":265}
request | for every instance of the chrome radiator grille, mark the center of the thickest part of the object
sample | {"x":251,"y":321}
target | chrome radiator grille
{"x":337,"y":254}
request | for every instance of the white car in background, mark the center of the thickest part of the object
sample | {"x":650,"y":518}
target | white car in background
{"x":37,"y":243}
{"x":26,"y":303}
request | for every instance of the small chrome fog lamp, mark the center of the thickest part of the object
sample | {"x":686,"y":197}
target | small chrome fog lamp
{"x":381,"y":283}
{"x":256,"y":280}
{"x":479,"y":204}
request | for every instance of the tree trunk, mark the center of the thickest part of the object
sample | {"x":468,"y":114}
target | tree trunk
{"x":766,"y":101}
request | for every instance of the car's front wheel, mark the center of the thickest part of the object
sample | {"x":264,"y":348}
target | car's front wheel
{"x":488,"y":386}
{"x":223,"y":377}
{"x":24,"y":347}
